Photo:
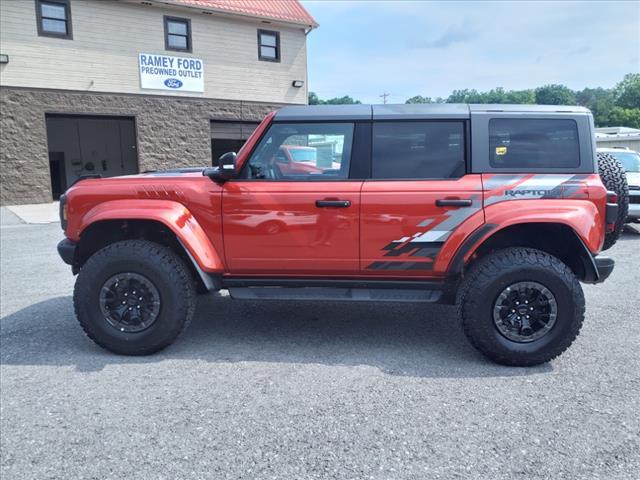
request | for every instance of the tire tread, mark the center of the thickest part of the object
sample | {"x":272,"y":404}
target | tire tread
{"x":494,"y":265}
{"x":159,"y":255}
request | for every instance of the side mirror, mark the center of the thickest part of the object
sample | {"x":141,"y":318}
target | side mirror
{"x":225,"y":170}
{"x":227,"y":163}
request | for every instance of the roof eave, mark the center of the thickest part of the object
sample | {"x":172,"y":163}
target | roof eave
{"x":230,"y":13}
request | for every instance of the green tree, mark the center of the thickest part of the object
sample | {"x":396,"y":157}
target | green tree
{"x":465,"y":96}
{"x":520,"y":97}
{"x":346,"y":100}
{"x":419,"y":99}
{"x":555,"y":95}
{"x":627,"y":92}
{"x":599,"y":100}
{"x":496,"y":95}
{"x":618,"y":106}
{"x":313,"y":99}
{"x":624,"y":117}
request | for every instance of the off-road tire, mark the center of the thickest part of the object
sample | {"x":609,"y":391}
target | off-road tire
{"x":614,"y":179}
{"x":163,"y":268}
{"x":495,"y":272}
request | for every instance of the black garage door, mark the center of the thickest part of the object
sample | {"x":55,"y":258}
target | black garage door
{"x":89,"y":145}
{"x":229,"y":136}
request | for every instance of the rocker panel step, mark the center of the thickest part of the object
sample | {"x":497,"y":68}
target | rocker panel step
{"x":336,"y":294}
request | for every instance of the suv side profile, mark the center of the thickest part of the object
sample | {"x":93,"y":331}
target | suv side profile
{"x":498,"y":209}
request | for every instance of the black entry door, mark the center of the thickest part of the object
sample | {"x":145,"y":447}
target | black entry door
{"x":224,"y":145}
{"x":89,"y":145}
{"x":229,"y":137}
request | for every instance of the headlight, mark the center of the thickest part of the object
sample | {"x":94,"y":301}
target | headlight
{"x":63,"y":212}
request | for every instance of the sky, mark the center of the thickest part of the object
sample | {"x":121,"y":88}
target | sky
{"x":406,"y":48}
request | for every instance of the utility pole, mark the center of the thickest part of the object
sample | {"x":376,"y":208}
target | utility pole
{"x":384,"y":97}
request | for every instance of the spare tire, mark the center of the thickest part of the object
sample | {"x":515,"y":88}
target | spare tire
{"x":614,"y":179}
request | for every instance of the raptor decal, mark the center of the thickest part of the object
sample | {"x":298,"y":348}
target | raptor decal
{"x":420,"y":250}
{"x":502,"y":188}
{"x":401,"y":266}
{"x":426,"y":243}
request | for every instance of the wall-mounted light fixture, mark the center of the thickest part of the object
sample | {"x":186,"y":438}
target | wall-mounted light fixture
{"x":4,"y":58}
{"x":297,"y":83}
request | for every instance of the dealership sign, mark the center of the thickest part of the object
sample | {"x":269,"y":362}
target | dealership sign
{"x":162,"y":72}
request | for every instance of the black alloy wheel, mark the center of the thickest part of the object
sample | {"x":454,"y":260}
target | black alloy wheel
{"x":130,"y":302}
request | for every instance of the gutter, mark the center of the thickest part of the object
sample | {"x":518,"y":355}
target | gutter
{"x":222,"y":12}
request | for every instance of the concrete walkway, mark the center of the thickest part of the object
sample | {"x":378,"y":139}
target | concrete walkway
{"x":34,"y":213}
{"x":7,"y":217}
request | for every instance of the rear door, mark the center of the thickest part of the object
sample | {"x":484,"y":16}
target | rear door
{"x":295,"y":209}
{"x":419,"y":203}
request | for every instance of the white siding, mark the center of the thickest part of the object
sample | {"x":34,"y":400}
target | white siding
{"x":632,"y":143}
{"x":108,"y":35}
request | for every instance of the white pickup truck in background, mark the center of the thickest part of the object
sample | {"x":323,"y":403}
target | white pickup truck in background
{"x":630,"y":160}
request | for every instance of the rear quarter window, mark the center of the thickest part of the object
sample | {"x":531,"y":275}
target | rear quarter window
{"x":533,"y":143}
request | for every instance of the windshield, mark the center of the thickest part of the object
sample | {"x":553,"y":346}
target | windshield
{"x":303,"y":155}
{"x":630,"y":160}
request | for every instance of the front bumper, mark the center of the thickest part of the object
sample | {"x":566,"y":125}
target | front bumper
{"x":67,"y":251}
{"x":604,"y":267}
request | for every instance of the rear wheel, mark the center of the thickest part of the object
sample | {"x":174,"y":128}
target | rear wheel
{"x":521,"y":306}
{"x":614,"y":179}
{"x":134,"y":297}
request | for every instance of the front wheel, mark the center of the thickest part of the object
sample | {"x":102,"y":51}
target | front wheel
{"x":134,"y":297}
{"x":521,"y":306}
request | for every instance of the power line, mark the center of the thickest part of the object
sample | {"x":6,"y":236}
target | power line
{"x":384,"y":97}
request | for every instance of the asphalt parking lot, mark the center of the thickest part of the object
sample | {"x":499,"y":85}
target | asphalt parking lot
{"x":308,"y":390}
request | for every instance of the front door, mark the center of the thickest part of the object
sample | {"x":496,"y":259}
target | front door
{"x":293,"y":210}
{"x":417,"y":198}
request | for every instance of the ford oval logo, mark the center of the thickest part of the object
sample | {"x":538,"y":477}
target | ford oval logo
{"x":173,"y":83}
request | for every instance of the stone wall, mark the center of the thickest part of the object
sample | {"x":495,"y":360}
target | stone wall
{"x":171,"y":132}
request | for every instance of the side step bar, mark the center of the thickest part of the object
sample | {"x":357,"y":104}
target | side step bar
{"x":336,"y":294}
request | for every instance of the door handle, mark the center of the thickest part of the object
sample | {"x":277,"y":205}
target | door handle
{"x":333,"y":203}
{"x":453,"y":202}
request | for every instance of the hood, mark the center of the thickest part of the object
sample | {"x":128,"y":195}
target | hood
{"x":633,"y":178}
{"x":171,"y":172}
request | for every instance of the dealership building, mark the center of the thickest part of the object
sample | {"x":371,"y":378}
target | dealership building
{"x":115,"y":87}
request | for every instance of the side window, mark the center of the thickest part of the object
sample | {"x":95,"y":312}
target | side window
{"x":533,"y":143}
{"x":415,"y":150}
{"x":54,"y":18}
{"x":302,"y":151}
{"x":177,"y":34}
{"x":268,"y":45}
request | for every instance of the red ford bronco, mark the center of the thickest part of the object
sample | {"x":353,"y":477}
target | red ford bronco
{"x":502,"y":210}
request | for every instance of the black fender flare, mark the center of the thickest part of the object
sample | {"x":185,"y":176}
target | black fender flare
{"x":590,"y":271}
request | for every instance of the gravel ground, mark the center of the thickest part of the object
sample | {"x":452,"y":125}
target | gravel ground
{"x":301,"y":390}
